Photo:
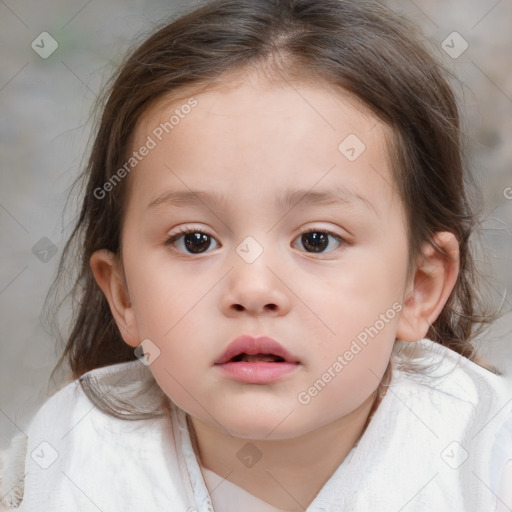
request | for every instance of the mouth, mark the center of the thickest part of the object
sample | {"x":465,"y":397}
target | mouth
{"x":251,"y":358}
{"x":256,"y":360}
{"x":249,"y":349}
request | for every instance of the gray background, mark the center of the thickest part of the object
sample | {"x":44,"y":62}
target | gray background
{"x":45,"y":106}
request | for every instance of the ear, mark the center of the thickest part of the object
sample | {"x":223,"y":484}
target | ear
{"x":110,"y":278}
{"x":429,"y":287}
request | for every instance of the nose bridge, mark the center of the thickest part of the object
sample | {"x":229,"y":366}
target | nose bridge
{"x":254,"y":284}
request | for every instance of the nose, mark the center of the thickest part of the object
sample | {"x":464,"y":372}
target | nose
{"x":255,"y":289}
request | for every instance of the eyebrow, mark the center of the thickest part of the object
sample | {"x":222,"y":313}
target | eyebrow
{"x":285,"y":200}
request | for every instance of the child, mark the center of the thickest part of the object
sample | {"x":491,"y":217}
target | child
{"x":276,"y":298}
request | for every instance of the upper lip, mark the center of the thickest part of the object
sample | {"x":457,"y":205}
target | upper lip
{"x":250,"y":345}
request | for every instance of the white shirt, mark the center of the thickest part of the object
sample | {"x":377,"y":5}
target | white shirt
{"x":439,"y":440}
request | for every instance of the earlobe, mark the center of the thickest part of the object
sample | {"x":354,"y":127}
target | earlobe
{"x":431,"y":284}
{"x":109,"y":277}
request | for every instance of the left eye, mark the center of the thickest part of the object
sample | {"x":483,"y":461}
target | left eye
{"x":318,"y":241}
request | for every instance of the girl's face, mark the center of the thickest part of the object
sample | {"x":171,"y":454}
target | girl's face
{"x":258,"y":166}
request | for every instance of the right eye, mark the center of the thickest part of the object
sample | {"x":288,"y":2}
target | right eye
{"x":193,"y":240}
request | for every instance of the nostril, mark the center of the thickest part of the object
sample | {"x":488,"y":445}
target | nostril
{"x":239,"y":307}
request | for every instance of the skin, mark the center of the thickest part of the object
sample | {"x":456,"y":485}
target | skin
{"x":252,"y":141}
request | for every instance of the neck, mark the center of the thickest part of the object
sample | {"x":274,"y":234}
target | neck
{"x":290,"y":472}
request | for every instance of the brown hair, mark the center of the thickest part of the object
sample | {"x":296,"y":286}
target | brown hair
{"x":359,"y":47}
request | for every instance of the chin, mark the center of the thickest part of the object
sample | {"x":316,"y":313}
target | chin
{"x":259,"y":426}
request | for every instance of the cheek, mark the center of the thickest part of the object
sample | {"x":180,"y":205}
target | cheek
{"x":359,"y":311}
{"x":348,"y":376}
{"x":166,"y":302}
{"x":345,"y":301}
{"x":178,"y":385}
{"x":164,"y":296}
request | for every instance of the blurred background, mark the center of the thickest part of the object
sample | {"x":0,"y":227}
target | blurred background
{"x":55,"y":57}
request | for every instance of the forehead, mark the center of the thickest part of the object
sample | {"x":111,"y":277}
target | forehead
{"x":256,"y":133}
{"x":274,"y":102}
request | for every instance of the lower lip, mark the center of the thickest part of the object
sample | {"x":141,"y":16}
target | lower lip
{"x":256,"y":372}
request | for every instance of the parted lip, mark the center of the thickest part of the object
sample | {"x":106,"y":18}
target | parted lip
{"x":251,"y":346}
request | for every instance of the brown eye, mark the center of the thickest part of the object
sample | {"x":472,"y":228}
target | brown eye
{"x":190,"y":241}
{"x":318,"y":241}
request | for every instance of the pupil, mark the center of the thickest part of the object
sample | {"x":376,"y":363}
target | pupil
{"x":196,"y":242}
{"x":316,"y":241}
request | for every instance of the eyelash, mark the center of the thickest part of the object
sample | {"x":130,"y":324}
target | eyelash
{"x":185,"y":231}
